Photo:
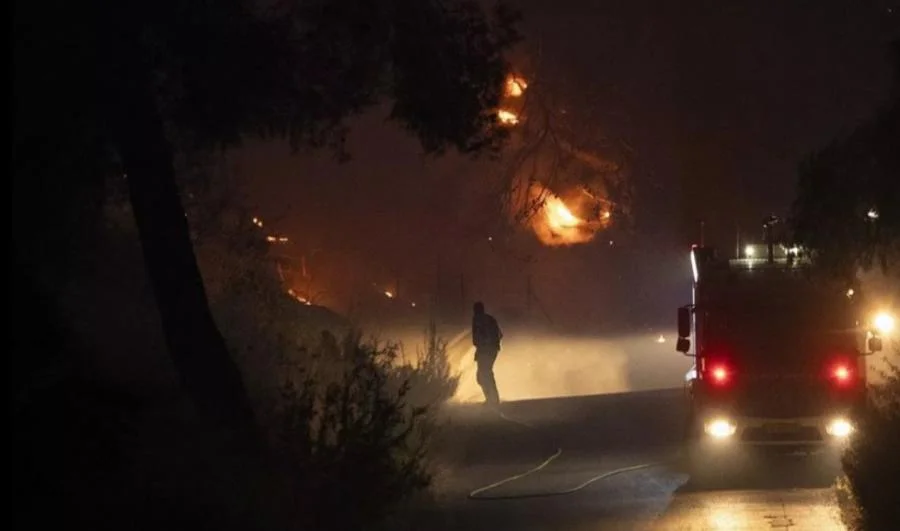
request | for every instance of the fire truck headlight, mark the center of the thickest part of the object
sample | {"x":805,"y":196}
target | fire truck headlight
{"x":839,"y":427}
{"x":720,"y":428}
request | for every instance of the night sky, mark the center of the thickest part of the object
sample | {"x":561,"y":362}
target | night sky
{"x":719,"y":100}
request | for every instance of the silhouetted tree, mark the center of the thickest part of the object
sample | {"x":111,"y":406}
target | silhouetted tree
{"x":848,"y":207}
{"x":115,"y":88}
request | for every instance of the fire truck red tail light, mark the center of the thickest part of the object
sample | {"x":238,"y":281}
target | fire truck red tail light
{"x":841,"y":373}
{"x":719,"y":374}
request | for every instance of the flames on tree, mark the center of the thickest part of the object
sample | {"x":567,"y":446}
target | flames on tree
{"x":515,"y":86}
{"x":507,"y":117}
{"x":574,"y":220}
{"x":567,"y":214}
{"x":558,"y":215}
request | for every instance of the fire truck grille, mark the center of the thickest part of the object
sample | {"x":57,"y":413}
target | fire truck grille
{"x":800,"y":434}
{"x":780,"y":399}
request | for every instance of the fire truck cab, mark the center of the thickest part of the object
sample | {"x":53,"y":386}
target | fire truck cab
{"x":779,"y":353}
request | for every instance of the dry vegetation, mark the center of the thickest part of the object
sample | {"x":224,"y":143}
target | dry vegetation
{"x":104,"y":432}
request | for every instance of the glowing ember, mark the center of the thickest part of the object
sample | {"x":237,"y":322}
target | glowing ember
{"x":507,"y":117}
{"x":300,"y":298}
{"x":515,"y":86}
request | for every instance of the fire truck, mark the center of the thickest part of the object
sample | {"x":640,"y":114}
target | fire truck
{"x":779,"y":352}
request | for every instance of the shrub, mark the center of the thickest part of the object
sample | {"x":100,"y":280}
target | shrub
{"x":348,"y":422}
{"x":352,"y":448}
{"x":872,"y":461}
{"x":431,"y":381}
{"x":104,"y":438}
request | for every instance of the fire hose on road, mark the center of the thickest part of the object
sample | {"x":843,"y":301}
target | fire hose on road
{"x":478,"y":494}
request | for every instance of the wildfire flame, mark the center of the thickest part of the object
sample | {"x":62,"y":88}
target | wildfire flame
{"x":562,"y":223}
{"x":515,"y":86}
{"x":299,"y":297}
{"x":558,"y":215}
{"x":507,"y":117}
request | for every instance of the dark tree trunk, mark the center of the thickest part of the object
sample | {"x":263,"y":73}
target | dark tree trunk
{"x":195,"y":344}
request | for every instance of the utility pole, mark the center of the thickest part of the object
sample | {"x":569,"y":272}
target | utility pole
{"x":769,"y":231}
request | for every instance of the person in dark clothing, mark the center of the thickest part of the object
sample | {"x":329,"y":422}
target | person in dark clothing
{"x":486,"y":336}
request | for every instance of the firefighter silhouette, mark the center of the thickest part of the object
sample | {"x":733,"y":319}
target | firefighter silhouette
{"x":486,"y":336}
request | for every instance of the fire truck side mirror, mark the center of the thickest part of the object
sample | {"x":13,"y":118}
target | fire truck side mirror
{"x":684,"y":322}
{"x":683,"y":345}
{"x":875,"y":344}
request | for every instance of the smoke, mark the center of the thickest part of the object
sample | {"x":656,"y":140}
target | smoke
{"x":545,"y":365}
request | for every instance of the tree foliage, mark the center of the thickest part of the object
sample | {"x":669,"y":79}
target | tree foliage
{"x":847,"y":214}
{"x":118,"y":88}
{"x":109,"y":91}
{"x":871,"y":463}
{"x":300,"y":68}
{"x":847,"y":211}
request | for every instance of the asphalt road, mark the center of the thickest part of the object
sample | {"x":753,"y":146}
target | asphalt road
{"x":611,"y":462}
